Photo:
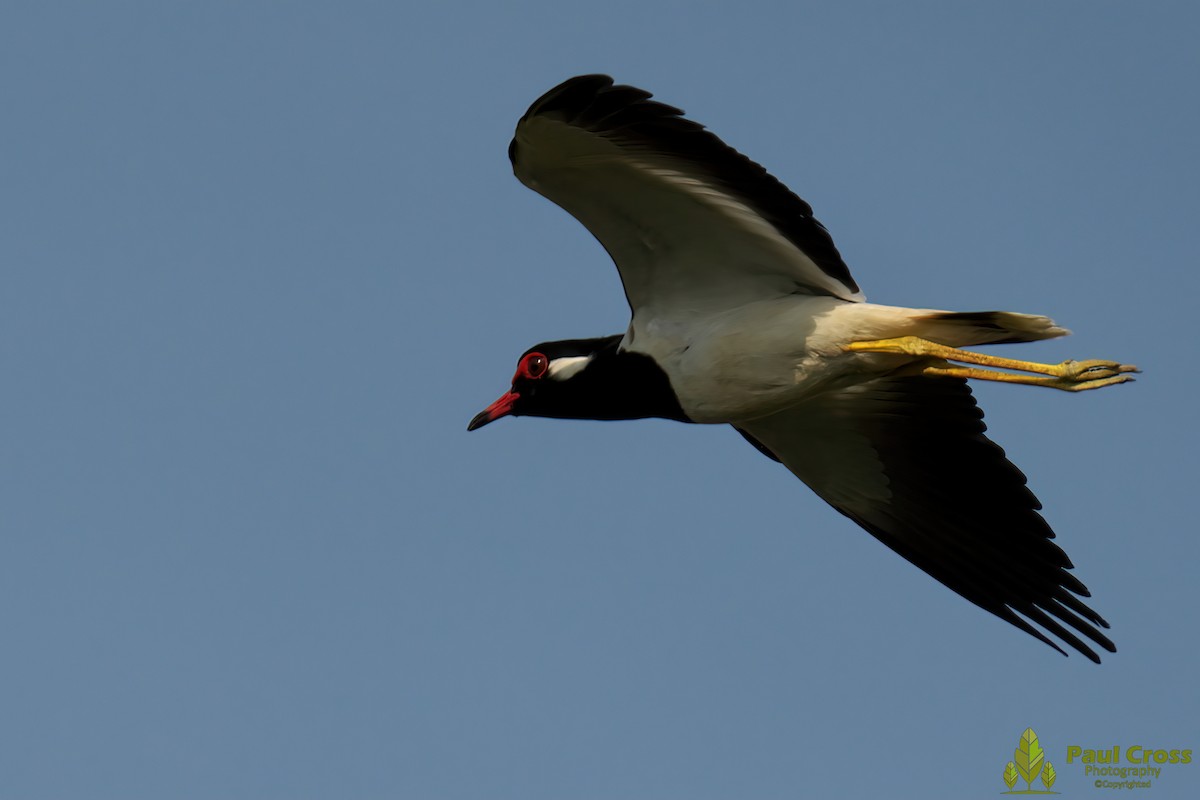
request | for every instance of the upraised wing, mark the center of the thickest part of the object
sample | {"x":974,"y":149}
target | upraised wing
{"x":693,"y":225}
{"x":907,"y":459}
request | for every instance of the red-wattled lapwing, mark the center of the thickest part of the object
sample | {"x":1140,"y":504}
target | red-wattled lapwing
{"x":744,"y":313}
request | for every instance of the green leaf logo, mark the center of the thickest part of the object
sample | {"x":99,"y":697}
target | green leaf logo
{"x":1029,"y":757}
{"x":1048,"y":776}
{"x":1029,"y":762}
{"x":1010,"y":774}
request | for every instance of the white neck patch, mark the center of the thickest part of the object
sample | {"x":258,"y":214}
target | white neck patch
{"x":561,"y":369}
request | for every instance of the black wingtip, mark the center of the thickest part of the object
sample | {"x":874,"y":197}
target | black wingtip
{"x":572,"y":94}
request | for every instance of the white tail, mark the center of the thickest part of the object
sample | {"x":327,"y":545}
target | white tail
{"x":967,"y":328}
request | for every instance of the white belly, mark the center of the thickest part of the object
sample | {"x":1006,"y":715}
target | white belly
{"x":763,"y":357}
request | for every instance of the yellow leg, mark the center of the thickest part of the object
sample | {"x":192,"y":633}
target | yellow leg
{"x":1071,"y":376}
{"x":1066,"y":384}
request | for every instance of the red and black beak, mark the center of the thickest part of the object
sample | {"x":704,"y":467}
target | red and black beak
{"x":501,"y":408}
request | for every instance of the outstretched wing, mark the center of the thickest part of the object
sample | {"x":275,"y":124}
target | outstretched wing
{"x":693,"y":225}
{"x":907,"y":459}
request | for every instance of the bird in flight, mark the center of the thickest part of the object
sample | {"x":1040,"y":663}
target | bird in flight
{"x":743,"y":313}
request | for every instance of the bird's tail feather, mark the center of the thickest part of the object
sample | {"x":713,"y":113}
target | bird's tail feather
{"x":969,"y":328}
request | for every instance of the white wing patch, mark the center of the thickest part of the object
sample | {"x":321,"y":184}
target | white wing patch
{"x":684,"y":242}
{"x":784,"y":255}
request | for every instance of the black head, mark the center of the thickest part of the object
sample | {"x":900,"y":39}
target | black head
{"x":584,"y":379}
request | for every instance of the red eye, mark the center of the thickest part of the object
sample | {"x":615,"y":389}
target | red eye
{"x":533,"y":366}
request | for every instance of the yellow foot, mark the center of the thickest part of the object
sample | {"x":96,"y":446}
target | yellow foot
{"x":1067,"y":384}
{"x":1070,"y":376}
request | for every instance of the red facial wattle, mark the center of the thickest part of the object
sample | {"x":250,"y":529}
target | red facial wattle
{"x":531,"y":367}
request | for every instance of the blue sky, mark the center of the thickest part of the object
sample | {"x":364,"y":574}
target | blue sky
{"x":262,"y":262}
